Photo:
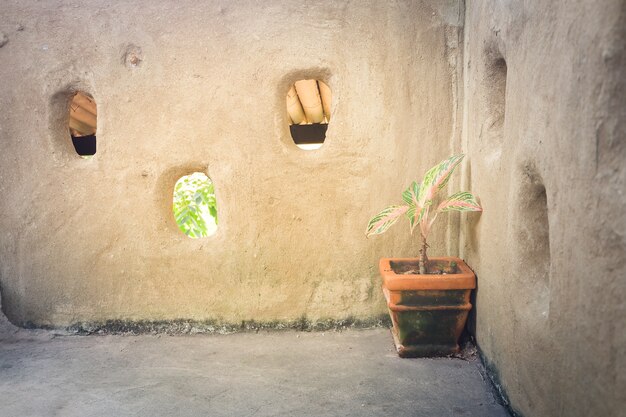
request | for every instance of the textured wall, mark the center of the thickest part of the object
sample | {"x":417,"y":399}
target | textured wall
{"x":542,"y":109}
{"x":90,"y":240}
{"x":544,"y":130}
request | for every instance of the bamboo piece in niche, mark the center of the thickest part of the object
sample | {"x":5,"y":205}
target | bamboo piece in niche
{"x":79,"y":128}
{"x":326,"y":95}
{"x":309,"y":95}
{"x":83,"y":119}
{"x":83,"y":116}
{"x":294,"y":107}
{"x":85,"y":102}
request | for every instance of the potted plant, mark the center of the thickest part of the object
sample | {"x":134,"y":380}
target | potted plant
{"x":428,"y":298}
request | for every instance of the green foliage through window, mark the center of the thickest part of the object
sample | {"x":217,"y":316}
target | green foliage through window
{"x":195,"y":208}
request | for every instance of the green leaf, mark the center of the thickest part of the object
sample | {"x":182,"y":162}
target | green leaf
{"x":194,"y":205}
{"x":407,"y":196}
{"x":410,"y":194}
{"x":384,"y":220}
{"x":422,"y":212}
{"x":411,"y":215}
{"x":436,"y":178}
{"x":410,"y":197}
{"x":461,"y":201}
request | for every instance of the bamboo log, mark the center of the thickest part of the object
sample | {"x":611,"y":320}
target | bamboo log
{"x":83,"y":119}
{"x":327,"y":96}
{"x":294,"y":107}
{"x":82,"y":116}
{"x":309,"y":95}
{"x":85,"y":102}
{"x":81,"y":128}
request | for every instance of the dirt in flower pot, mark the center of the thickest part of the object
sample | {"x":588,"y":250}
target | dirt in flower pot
{"x":434,"y":267}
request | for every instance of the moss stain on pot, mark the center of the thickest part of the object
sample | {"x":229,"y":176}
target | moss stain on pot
{"x":432,"y":298}
{"x":428,"y":327}
{"x":428,"y":312}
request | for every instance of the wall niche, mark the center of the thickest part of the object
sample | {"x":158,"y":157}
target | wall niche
{"x":495,"y":99}
{"x":533,"y":237}
{"x":83,"y":121}
{"x":309,"y":107}
{"x":194,"y":205}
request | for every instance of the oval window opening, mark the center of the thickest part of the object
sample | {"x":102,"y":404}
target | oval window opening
{"x":83,"y":123}
{"x":308,"y":106}
{"x":194,"y":205}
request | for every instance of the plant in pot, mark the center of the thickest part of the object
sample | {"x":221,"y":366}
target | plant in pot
{"x":428,"y":298}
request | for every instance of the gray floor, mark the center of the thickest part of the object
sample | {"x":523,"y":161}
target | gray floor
{"x":350,"y":373}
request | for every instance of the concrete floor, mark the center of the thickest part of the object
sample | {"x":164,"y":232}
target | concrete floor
{"x":350,"y":373}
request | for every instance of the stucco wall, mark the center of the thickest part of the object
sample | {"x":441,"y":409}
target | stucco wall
{"x":547,"y":156}
{"x":540,"y":104}
{"x":91,"y":240}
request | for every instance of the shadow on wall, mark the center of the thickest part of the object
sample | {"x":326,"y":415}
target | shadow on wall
{"x":533,"y":237}
{"x":495,"y":75}
{"x":493,"y":85}
{"x":6,"y":327}
{"x":491,"y":142}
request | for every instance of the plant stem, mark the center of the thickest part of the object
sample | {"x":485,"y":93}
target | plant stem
{"x":423,"y":263}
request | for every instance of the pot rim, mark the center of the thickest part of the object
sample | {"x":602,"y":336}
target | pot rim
{"x":464,"y":280}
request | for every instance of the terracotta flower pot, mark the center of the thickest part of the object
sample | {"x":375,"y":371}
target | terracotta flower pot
{"x":428,"y":312}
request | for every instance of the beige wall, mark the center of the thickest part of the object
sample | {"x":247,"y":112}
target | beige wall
{"x":537,"y":91}
{"x":551,"y":266}
{"x":91,"y":240}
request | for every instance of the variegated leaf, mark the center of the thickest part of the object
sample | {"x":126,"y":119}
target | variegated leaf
{"x":422,"y":212}
{"x":461,"y":201}
{"x":407,"y":196}
{"x":411,"y":215}
{"x":416,"y":189}
{"x":384,"y":220}
{"x":437,"y":177}
{"x":410,"y":197}
{"x":410,"y":194}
